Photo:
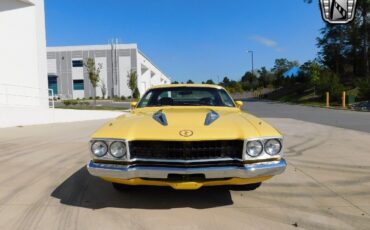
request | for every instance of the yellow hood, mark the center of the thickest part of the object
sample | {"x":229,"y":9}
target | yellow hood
{"x":232,"y":124}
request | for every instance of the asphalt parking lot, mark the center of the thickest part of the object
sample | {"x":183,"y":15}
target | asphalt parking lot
{"x":44,"y":183}
{"x":339,"y":118}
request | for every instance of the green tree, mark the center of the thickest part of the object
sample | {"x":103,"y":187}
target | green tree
{"x":330,"y":82}
{"x":189,"y":82}
{"x":103,"y":88}
{"x":280,"y":67}
{"x":364,"y":8}
{"x":93,"y":73}
{"x":132,"y":82}
{"x":364,"y":90}
{"x":263,"y":79}
{"x":175,"y":82}
{"x":310,"y":74}
{"x":344,"y":49}
{"x":249,"y":81}
{"x":333,"y":44}
{"x":136,"y":93}
{"x":210,"y":81}
{"x":226,"y":80}
{"x":233,"y":87}
{"x":314,"y":72}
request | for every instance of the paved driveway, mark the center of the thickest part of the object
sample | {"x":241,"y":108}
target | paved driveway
{"x":44,"y":185}
{"x":340,"y":118}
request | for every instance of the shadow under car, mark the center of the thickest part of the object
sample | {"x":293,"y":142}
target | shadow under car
{"x":83,"y":190}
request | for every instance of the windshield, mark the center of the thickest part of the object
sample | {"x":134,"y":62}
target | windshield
{"x":186,"y":96}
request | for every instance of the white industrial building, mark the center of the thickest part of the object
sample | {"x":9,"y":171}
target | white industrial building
{"x":68,"y":77}
{"x":24,"y":64}
{"x":23,"y":54}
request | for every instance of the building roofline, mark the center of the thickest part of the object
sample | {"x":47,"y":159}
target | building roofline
{"x":90,"y":47}
{"x":104,"y":47}
{"x":31,"y":2}
{"x":146,"y":57}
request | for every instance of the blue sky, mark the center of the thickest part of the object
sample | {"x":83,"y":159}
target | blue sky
{"x":192,"y":39}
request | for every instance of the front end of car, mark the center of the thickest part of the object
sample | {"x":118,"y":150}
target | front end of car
{"x":186,"y":137}
{"x":187,"y":164}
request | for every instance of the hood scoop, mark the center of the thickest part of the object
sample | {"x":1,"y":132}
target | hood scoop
{"x":160,"y":117}
{"x":211,"y":117}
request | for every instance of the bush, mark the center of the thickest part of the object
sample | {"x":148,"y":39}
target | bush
{"x":329,"y":82}
{"x":70,"y":102}
{"x":123,"y":98}
{"x":84,"y":103}
{"x":75,"y":102}
{"x":364,"y":90}
{"x":246,"y":86}
{"x":67,"y":102}
{"x":233,"y":87}
{"x":90,"y":98}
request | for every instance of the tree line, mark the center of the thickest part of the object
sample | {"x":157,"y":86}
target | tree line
{"x":342,"y":63}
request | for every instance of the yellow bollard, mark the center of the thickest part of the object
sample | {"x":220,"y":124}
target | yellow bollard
{"x":327,"y":99}
{"x":344,"y":99}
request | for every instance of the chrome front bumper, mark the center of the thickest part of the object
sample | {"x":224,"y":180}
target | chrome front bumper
{"x":271,"y":168}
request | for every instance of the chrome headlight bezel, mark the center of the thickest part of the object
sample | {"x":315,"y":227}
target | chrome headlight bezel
{"x":101,"y":144}
{"x":121,"y":155}
{"x":278,"y":142}
{"x":255,"y":143}
{"x":109,"y":156}
{"x":263,"y":155}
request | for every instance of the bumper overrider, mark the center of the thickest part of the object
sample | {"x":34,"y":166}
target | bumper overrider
{"x":146,"y":175}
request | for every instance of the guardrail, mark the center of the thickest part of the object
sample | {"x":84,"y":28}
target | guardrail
{"x":25,"y":96}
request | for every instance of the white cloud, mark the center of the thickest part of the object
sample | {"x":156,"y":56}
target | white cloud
{"x":267,"y":42}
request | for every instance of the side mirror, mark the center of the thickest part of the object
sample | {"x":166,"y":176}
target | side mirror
{"x":133,"y":104}
{"x":239,"y":104}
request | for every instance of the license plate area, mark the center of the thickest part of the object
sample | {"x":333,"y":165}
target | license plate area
{"x":186,"y":177}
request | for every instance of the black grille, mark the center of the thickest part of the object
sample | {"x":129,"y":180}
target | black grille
{"x":186,"y":150}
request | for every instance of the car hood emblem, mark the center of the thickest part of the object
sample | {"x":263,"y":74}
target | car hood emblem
{"x":186,"y":133}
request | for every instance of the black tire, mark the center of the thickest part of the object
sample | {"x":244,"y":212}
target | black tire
{"x":120,"y":187}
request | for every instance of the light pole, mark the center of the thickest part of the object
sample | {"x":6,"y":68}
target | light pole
{"x":251,"y":51}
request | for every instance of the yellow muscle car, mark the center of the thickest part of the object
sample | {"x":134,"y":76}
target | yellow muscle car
{"x":186,"y":136}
